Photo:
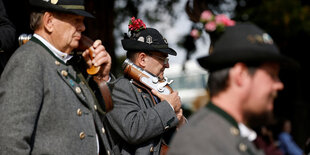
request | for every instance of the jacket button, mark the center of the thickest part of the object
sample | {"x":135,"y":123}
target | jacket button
{"x":57,"y":63}
{"x":95,"y":107}
{"x":78,"y":90}
{"x":152,"y":149}
{"x":108,"y":152}
{"x":82,"y":135}
{"x":166,"y":127}
{"x":242,"y":147}
{"x":64,"y":73}
{"x":103,"y":130}
{"x":234,"y":131}
{"x":79,"y":112}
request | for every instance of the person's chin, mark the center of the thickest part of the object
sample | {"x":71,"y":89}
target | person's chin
{"x":260,"y":118}
{"x":75,"y":46}
{"x":161,"y":76}
{"x":75,"y":43}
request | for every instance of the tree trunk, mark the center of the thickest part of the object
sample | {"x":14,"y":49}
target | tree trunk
{"x":102,"y":26}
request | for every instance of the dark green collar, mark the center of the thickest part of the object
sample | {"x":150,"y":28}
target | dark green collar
{"x":34,"y":39}
{"x":222,"y":113}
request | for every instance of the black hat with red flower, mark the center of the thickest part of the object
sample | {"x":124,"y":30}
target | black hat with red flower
{"x":145,"y":39}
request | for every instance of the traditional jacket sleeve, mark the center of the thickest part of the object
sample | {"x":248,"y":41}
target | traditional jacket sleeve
{"x":134,"y":119}
{"x":21,"y":95}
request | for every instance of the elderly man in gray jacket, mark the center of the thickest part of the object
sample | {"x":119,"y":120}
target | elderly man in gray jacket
{"x":143,"y":119}
{"x":47,"y":107}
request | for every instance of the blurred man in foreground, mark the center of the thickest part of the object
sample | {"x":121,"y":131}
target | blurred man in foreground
{"x":243,"y":84}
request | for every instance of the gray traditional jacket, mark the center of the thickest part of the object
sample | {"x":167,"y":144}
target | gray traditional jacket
{"x":140,"y":124}
{"x":47,"y":107}
{"x":211,"y":131}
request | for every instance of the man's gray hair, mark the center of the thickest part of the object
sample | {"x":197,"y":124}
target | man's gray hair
{"x":35,"y":20}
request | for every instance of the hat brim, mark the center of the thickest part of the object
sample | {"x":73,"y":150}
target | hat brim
{"x":216,"y":61}
{"x":41,"y":5}
{"x":133,"y":45}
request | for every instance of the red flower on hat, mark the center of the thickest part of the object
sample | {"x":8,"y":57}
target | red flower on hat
{"x":135,"y":25}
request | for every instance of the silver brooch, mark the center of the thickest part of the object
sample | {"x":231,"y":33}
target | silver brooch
{"x":260,"y":38}
{"x":267,"y":39}
{"x":141,"y":39}
{"x":165,"y":40}
{"x":54,"y":1}
{"x":149,"y":39}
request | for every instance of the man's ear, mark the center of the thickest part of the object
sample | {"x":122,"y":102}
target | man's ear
{"x":141,"y":59}
{"x":47,"y":20}
{"x":239,"y":74}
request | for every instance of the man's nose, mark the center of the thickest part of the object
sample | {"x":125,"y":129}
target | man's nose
{"x":167,"y":65}
{"x":279,"y":85}
{"x":81,"y":27}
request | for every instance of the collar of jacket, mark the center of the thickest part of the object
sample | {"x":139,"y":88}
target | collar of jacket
{"x":222,"y":113}
{"x":34,"y":39}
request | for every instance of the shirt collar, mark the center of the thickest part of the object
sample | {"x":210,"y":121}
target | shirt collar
{"x":61,"y":55}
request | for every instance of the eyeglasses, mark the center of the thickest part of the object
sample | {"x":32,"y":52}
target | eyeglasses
{"x":165,"y":60}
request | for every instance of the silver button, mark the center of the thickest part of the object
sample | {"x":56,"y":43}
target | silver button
{"x":234,"y":131}
{"x":166,"y":127}
{"x":103,"y":130}
{"x":64,"y":73}
{"x":78,"y":90}
{"x":95,"y":107}
{"x":152,"y":149}
{"x":242,"y":147}
{"x":57,"y":63}
{"x":108,"y":152}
